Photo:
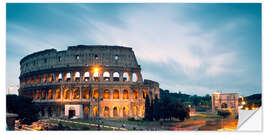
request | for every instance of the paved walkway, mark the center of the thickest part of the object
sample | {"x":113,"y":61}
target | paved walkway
{"x":91,"y":124}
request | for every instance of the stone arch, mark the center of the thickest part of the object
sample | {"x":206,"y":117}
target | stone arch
{"x":86,"y":76}
{"x":125,"y":94}
{"x":38,"y":79}
{"x":44,"y":78}
{"x":126,"y":77}
{"x":68,"y":76}
{"x":66,"y":94}
{"x":135,"y":111}
{"x":50,"y":79}
{"x":42,"y":111}
{"x":116,"y":76}
{"x":57,"y":94}
{"x":106,"y":112}
{"x":37,"y":94}
{"x":43,"y":94}
{"x":142,"y":110}
{"x":143,"y":94}
{"x":86,"y":93}
{"x":135,"y":94}
{"x":95,"y":94}
{"x":96,"y":74}
{"x":59,"y":77}
{"x":134,"y":77}
{"x":33,"y":80}
{"x":116,"y":94}
{"x":77,"y":76}
{"x":106,"y":76}
{"x":86,"y":112}
{"x":106,"y":94}
{"x":76,"y":93}
{"x":125,"y":111}
{"x":95,"y":111}
{"x":115,"y":112}
{"x":50,"y":94}
{"x":50,"y":111}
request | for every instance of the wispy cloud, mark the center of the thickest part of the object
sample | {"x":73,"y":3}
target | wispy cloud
{"x":173,"y":45}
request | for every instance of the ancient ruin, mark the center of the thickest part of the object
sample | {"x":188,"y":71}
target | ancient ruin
{"x":86,"y":81}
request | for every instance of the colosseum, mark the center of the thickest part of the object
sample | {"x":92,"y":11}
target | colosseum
{"x":86,"y":81}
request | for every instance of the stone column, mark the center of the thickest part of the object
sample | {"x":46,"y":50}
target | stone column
{"x":111,"y":76}
{"x":80,"y":93}
{"x":100,"y":76}
{"x":121,"y":76}
{"x":130,"y":74}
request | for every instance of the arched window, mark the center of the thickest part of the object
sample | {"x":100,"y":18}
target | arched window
{"x":115,"y":76}
{"x":135,"y":111}
{"x":86,"y":76}
{"x":106,"y":112}
{"x":126,"y":77}
{"x":57,"y":94}
{"x":66,"y":94}
{"x":106,"y":94}
{"x":38,"y":79}
{"x":116,"y":57}
{"x":77,"y":76}
{"x":115,"y":112}
{"x":85,"y":93}
{"x":125,"y":94}
{"x":43,"y":94}
{"x":59,"y":77}
{"x":95,"y":94}
{"x":95,"y":111}
{"x":68,"y":77}
{"x":44,"y":78}
{"x":76,"y":93}
{"x":85,"y":112}
{"x":50,"y":94}
{"x":37,"y":94}
{"x":50,"y":78}
{"x":134,"y":77}
{"x":116,"y":94}
{"x":96,"y":74}
{"x":33,"y":80}
{"x":125,"y":111}
{"x":143,"y":94}
{"x":106,"y":76}
{"x":135,"y":94}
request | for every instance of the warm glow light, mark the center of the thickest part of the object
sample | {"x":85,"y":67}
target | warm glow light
{"x":96,"y":69}
{"x":243,"y":103}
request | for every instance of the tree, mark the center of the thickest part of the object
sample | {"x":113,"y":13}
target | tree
{"x":23,"y":106}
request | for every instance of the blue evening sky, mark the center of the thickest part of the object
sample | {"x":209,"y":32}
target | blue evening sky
{"x":192,"y":48}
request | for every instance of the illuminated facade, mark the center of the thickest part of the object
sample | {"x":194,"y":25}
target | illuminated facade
{"x":86,"y":82}
{"x":225,"y":101}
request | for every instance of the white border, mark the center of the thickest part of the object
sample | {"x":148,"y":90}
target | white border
{"x":265,"y":65}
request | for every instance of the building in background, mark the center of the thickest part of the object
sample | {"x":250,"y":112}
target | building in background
{"x":225,"y":101}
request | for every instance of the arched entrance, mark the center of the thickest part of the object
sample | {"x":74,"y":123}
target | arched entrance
{"x":95,"y":111}
{"x":86,"y":112}
{"x":125,"y":112}
{"x":135,"y":109}
{"x":106,"y":112}
{"x":115,"y":112}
